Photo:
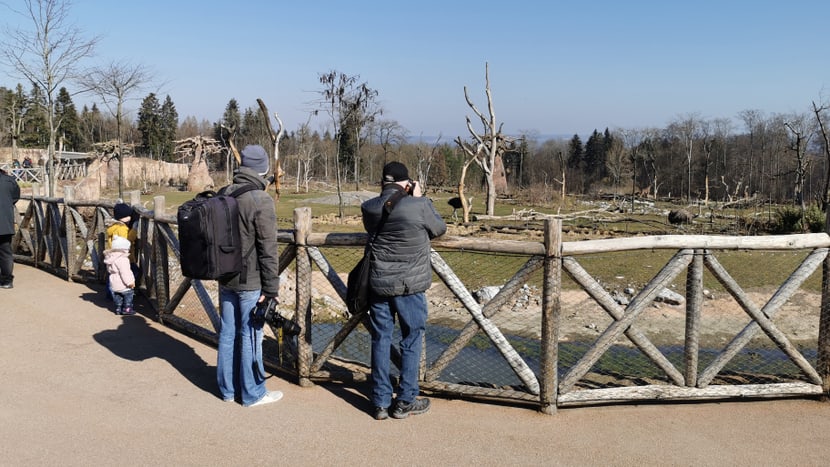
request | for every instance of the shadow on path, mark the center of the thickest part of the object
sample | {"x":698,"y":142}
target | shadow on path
{"x":136,"y":340}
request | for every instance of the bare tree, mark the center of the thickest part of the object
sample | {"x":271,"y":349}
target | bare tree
{"x":351,"y":105}
{"x":390,"y":134}
{"x":426,"y":156}
{"x":801,"y":132}
{"x":687,"y":128}
{"x":307,"y":152}
{"x":15,"y":109}
{"x":820,"y":112}
{"x":47,"y":53}
{"x":617,"y":161}
{"x":751,"y":118}
{"x":114,"y":83}
{"x":275,"y":136}
{"x":486,"y":147}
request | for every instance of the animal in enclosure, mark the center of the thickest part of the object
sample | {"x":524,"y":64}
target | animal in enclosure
{"x":456,"y":205}
{"x":680,"y":217}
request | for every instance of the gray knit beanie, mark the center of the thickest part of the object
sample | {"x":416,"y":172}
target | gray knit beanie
{"x":255,"y":157}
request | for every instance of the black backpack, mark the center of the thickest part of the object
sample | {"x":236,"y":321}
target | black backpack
{"x":209,"y":239}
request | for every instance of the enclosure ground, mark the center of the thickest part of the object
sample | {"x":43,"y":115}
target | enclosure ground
{"x":84,"y":387}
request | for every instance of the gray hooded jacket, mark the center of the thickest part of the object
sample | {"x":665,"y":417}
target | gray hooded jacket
{"x":400,"y":263}
{"x":257,"y":227}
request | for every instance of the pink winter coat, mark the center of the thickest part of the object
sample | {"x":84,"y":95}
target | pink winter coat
{"x":118,"y":266}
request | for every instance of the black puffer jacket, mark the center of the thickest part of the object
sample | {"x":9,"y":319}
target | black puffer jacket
{"x":9,"y":194}
{"x":401,"y":250}
{"x":257,"y":226}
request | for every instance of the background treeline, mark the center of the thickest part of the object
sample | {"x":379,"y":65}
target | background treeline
{"x":776,"y":157}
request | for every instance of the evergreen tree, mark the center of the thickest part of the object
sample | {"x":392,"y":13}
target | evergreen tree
{"x":150,"y":126}
{"x":36,"y":125}
{"x":12,"y":115}
{"x":231,"y":120}
{"x":575,"y":153}
{"x":252,"y":130}
{"x":66,"y":117}
{"x":5,"y":118}
{"x":92,"y":125}
{"x":169,"y":121}
{"x":593,"y":159}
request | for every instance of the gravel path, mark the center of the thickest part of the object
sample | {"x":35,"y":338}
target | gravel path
{"x":81,"y":386}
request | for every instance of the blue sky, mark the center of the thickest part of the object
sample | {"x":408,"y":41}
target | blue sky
{"x":556,"y":67}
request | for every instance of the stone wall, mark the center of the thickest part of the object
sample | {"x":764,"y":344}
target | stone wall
{"x":139,"y":174}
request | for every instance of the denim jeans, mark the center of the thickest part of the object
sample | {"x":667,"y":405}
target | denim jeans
{"x":6,"y":259}
{"x":123,"y":300}
{"x":411,"y":311}
{"x":239,"y":369}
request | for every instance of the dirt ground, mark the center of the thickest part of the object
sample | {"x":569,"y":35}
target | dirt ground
{"x":582,"y":319}
{"x":82,"y":386}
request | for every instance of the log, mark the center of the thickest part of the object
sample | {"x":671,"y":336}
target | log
{"x":711,"y":242}
{"x":761,"y":317}
{"x":496,"y":337}
{"x":674,"y":393}
{"x":302,"y":219}
{"x":490,"y":309}
{"x":607,"y":302}
{"x":674,"y":267}
{"x":551,"y":315}
{"x":694,"y":304}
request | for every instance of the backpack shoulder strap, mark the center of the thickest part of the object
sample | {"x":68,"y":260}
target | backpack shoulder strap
{"x":242,"y":189}
{"x":388,"y":206}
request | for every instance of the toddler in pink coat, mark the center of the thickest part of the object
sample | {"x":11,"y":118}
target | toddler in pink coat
{"x":122,"y":279}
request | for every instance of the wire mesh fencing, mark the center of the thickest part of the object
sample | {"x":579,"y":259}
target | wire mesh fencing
{"x":687,"y":315}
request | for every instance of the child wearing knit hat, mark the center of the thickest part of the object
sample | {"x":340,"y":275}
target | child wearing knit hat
{"x":121,"y":226}
{"x":121,"y":277}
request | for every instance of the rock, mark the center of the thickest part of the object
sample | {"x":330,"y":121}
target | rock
{"x":620,"y":298}
{"x":486,"y":293}
{"x":670,"y":297}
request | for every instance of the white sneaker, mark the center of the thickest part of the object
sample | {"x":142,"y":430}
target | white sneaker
{"x":269,"y":397}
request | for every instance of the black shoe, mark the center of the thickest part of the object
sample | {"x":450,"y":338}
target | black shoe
{"x":403,"y":410}
{"x":6,"y":285}
{"x":381,"y":413}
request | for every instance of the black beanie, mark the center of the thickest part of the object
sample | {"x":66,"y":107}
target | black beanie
{"x":122,"y":210}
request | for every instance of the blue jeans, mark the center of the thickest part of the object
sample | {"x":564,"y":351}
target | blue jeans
{"x":412,"y":316}
{"x":239,"y":369}
{"x":123,"y":300}
{"x":6,"y":259}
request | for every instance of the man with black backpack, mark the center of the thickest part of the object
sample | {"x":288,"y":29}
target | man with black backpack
{"x":400,"y":223}
{"x":240,"y":373}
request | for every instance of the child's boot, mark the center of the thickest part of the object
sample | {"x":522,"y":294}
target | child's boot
{"x":128,"y":311}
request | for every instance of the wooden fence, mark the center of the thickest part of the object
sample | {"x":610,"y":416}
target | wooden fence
{"x":38,"y":174}
{"x":66,"y":237}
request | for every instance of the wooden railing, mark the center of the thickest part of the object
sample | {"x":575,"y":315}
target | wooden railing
{"x":65,"y":236}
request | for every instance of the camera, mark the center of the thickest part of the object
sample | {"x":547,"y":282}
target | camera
{"x":266,"y":312}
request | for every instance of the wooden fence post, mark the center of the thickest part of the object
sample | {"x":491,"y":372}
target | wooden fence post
{"x":160,"y":258}
{"x":694,"y":303}
{"x":823,"y":345}
{"x":69,"y":222}
{"x":135,"y":198}
{"x":302,"y":228}
{"x":552,"y":288}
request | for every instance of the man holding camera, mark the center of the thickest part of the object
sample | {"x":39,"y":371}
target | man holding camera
{"x":401,"y":222}
{"x":239,"y":369}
